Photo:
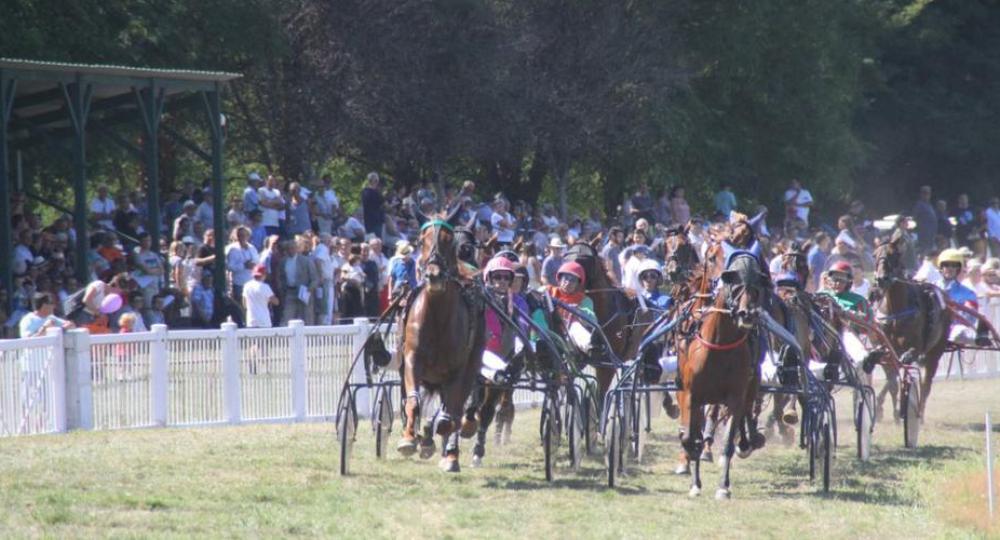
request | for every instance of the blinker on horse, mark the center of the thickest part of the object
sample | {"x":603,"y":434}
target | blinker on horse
{"x":442,"y":342}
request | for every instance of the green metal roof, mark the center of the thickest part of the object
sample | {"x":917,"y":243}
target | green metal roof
{"x":116,"y":71}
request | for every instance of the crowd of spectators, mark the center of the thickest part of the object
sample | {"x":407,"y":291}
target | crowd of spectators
{"x":292,"y":252}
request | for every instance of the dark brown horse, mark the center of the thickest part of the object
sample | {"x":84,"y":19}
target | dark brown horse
{"x":717,"y":366}
{"x":913,"y":317}
{"x":442,"y":340}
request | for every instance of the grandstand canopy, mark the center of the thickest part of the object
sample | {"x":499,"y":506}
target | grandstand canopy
{"x":51,"y":103}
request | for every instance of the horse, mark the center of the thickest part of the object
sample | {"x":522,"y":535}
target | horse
{"x":443,"y":341}
{"x":913,"y":317}
{"x":717,"y":366}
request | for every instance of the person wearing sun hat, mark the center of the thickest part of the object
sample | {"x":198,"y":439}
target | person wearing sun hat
{"x":951,"y":263}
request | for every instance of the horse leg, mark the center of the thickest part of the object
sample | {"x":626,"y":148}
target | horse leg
{"x":452,"y":402}
{"x":407,"y":445}
{"x":486,"y":413}
{"x":505,"y":417}
{"x":693,"y":444}
{"x":890,"y":388}
{"x":932,"y":358}
{"x":727,"y":461}
{"x":683,"y":403}
{"x":708,"y":434}
{"x":469,"y":423}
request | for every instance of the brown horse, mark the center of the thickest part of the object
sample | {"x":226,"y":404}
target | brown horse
{"x":913,"y":317}
{"x":443,"y":340}
{"x":717,"y":366}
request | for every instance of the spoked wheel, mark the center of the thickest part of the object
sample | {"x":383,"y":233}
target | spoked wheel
{"x":826,"y":452}
{"x":382,"y":422}
{"x":639,"y":425}
{"x":614,"y":441}
{"x":863,"y":423}
{"x":575,"y":428}
{"x":346,"y":428}
{"x":909,"y":402}
{"x":591,"y":419}
{"x":548,"y":431}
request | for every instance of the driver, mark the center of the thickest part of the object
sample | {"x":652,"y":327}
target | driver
{"x":651,"y":276}
{"x":570,"y":291}
{"x":837,"y":285}
{"x":951,"y":263}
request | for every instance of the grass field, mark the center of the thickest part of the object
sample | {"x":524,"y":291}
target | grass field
{"x":281,"y":480}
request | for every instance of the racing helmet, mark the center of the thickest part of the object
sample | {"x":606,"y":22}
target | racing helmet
{"x":650,"y":265}
{"x":842,"y":267}
{"x":572,"y":268}
{"x":951,"y":256}
{"x":499,"y":264}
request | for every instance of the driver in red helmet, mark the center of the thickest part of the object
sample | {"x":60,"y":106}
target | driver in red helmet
{"x":837,"y":285}
{"x":570,"y":290}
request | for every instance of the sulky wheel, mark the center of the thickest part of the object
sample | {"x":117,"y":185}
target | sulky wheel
{"x":591,"y":421}
{"x":909,"y":404}
{"x":548,"y":431}
{"x":575,"y":428}
{"x":614,"y":441}
{"x":826,"y":452}
{"x":863,"y":423}
{"x":382,"y":422}
{"x":346,"y":430}
{"x":639,"y":424}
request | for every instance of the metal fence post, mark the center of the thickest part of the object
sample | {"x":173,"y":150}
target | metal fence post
{"x":231,"y":373}
{"x":297,"y":349}
{"x":79,"y":390}
{"x":57,"y":377}
{"x":159,"y":375}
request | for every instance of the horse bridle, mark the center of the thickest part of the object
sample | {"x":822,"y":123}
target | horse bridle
{"x":434,"y":256}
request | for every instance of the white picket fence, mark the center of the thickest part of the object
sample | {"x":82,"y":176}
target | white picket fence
{"x":226,"y":376}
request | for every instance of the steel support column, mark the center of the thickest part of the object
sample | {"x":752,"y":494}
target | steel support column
{"x":213,"y":106}
{"x":78,"y":96}
{"x":7,"y":88}
{"x":151,"y":101}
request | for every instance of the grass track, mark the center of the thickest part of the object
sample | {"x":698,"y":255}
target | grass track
{"x":280,"y":480}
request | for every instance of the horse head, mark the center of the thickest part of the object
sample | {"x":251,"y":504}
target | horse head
{"x":438,"y":247}
{"x":888,"y":263}
{"x":744,"y":289}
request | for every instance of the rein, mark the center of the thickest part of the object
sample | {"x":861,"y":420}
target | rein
{"x":889,"y":317}
{"x":723,"y":347}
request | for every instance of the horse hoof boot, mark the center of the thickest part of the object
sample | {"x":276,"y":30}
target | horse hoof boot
{"x":469,"y":428}
{"x":427,"y":449}
{"x":477,"y":462}
{"x":694,"y":491}
{"x":449,"y":464}
{"x":407,"y":447}
{"x":682,"y":469}
{"x":723,"y":494}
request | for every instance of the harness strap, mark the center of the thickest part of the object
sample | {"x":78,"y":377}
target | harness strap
{"x":888,"y":317}
{"x":437,"y":223}
{"x":724,"y":347}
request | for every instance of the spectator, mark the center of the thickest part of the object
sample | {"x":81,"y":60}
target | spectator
{"x":184,"y":224}
{"x":402,"y":268}
{"x":298,"y":210}
{"x":102,"y":209}
{"x":944,"y":227}
{"x":352,"y":300}
{"x":610,"y":252}
{"x":205,"y":213}
{"x":372,"y":282}
{"x":235,"y":216}
{"x":327,"y":277}
{"x":641,"y":204}
{"x":352,"y":228}
{"x":203,"y":302}
{"x":816,"y":258}
{"x":241,"y":258}
{"x":964,"y":221}
{"x":251,"y":197}
{"x":37,"y":322}
{"x":148,"y":268}
{"x":301,"y":280}
{"x":373,"y":206}
{"x":798,"y":201}
{"x":156,"y":312}
{"x":258,"y":299}
{"x":551,"y":263}
{"x":136,"y":306}
{"x":993,"y":225}
{"x":724,"y":200}
{"x":272,"y":204}
{"x":327,"y":206}
{"x":680,"y":212}
{"x":503,"y":223}
{"x":926,"y":218}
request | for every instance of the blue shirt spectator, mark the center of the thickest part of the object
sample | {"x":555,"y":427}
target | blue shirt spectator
{"x":725,"y":201}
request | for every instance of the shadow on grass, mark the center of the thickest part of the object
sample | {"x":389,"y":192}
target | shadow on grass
{"x":979,"y":427}
{"x":878,"y":481}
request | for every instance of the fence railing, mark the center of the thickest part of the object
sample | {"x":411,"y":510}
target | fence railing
{"x":74,"y":380}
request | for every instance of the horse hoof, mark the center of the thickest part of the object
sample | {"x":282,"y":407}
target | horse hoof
{"x":790,"y":418}
{"x":672,"y":410}
{"x":722,"y":494}
{"x":407,"y":447}
{"x":428,"y":450}
{"x":694,"y":491}
{"x":443,"y":427}
{"x":682,"y":469}
{"x":449,"y":464}
{"x":469,"y":428}
{"x":477,"y":462}
{"x":707,"y":456}
{"x":757,"y":441}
